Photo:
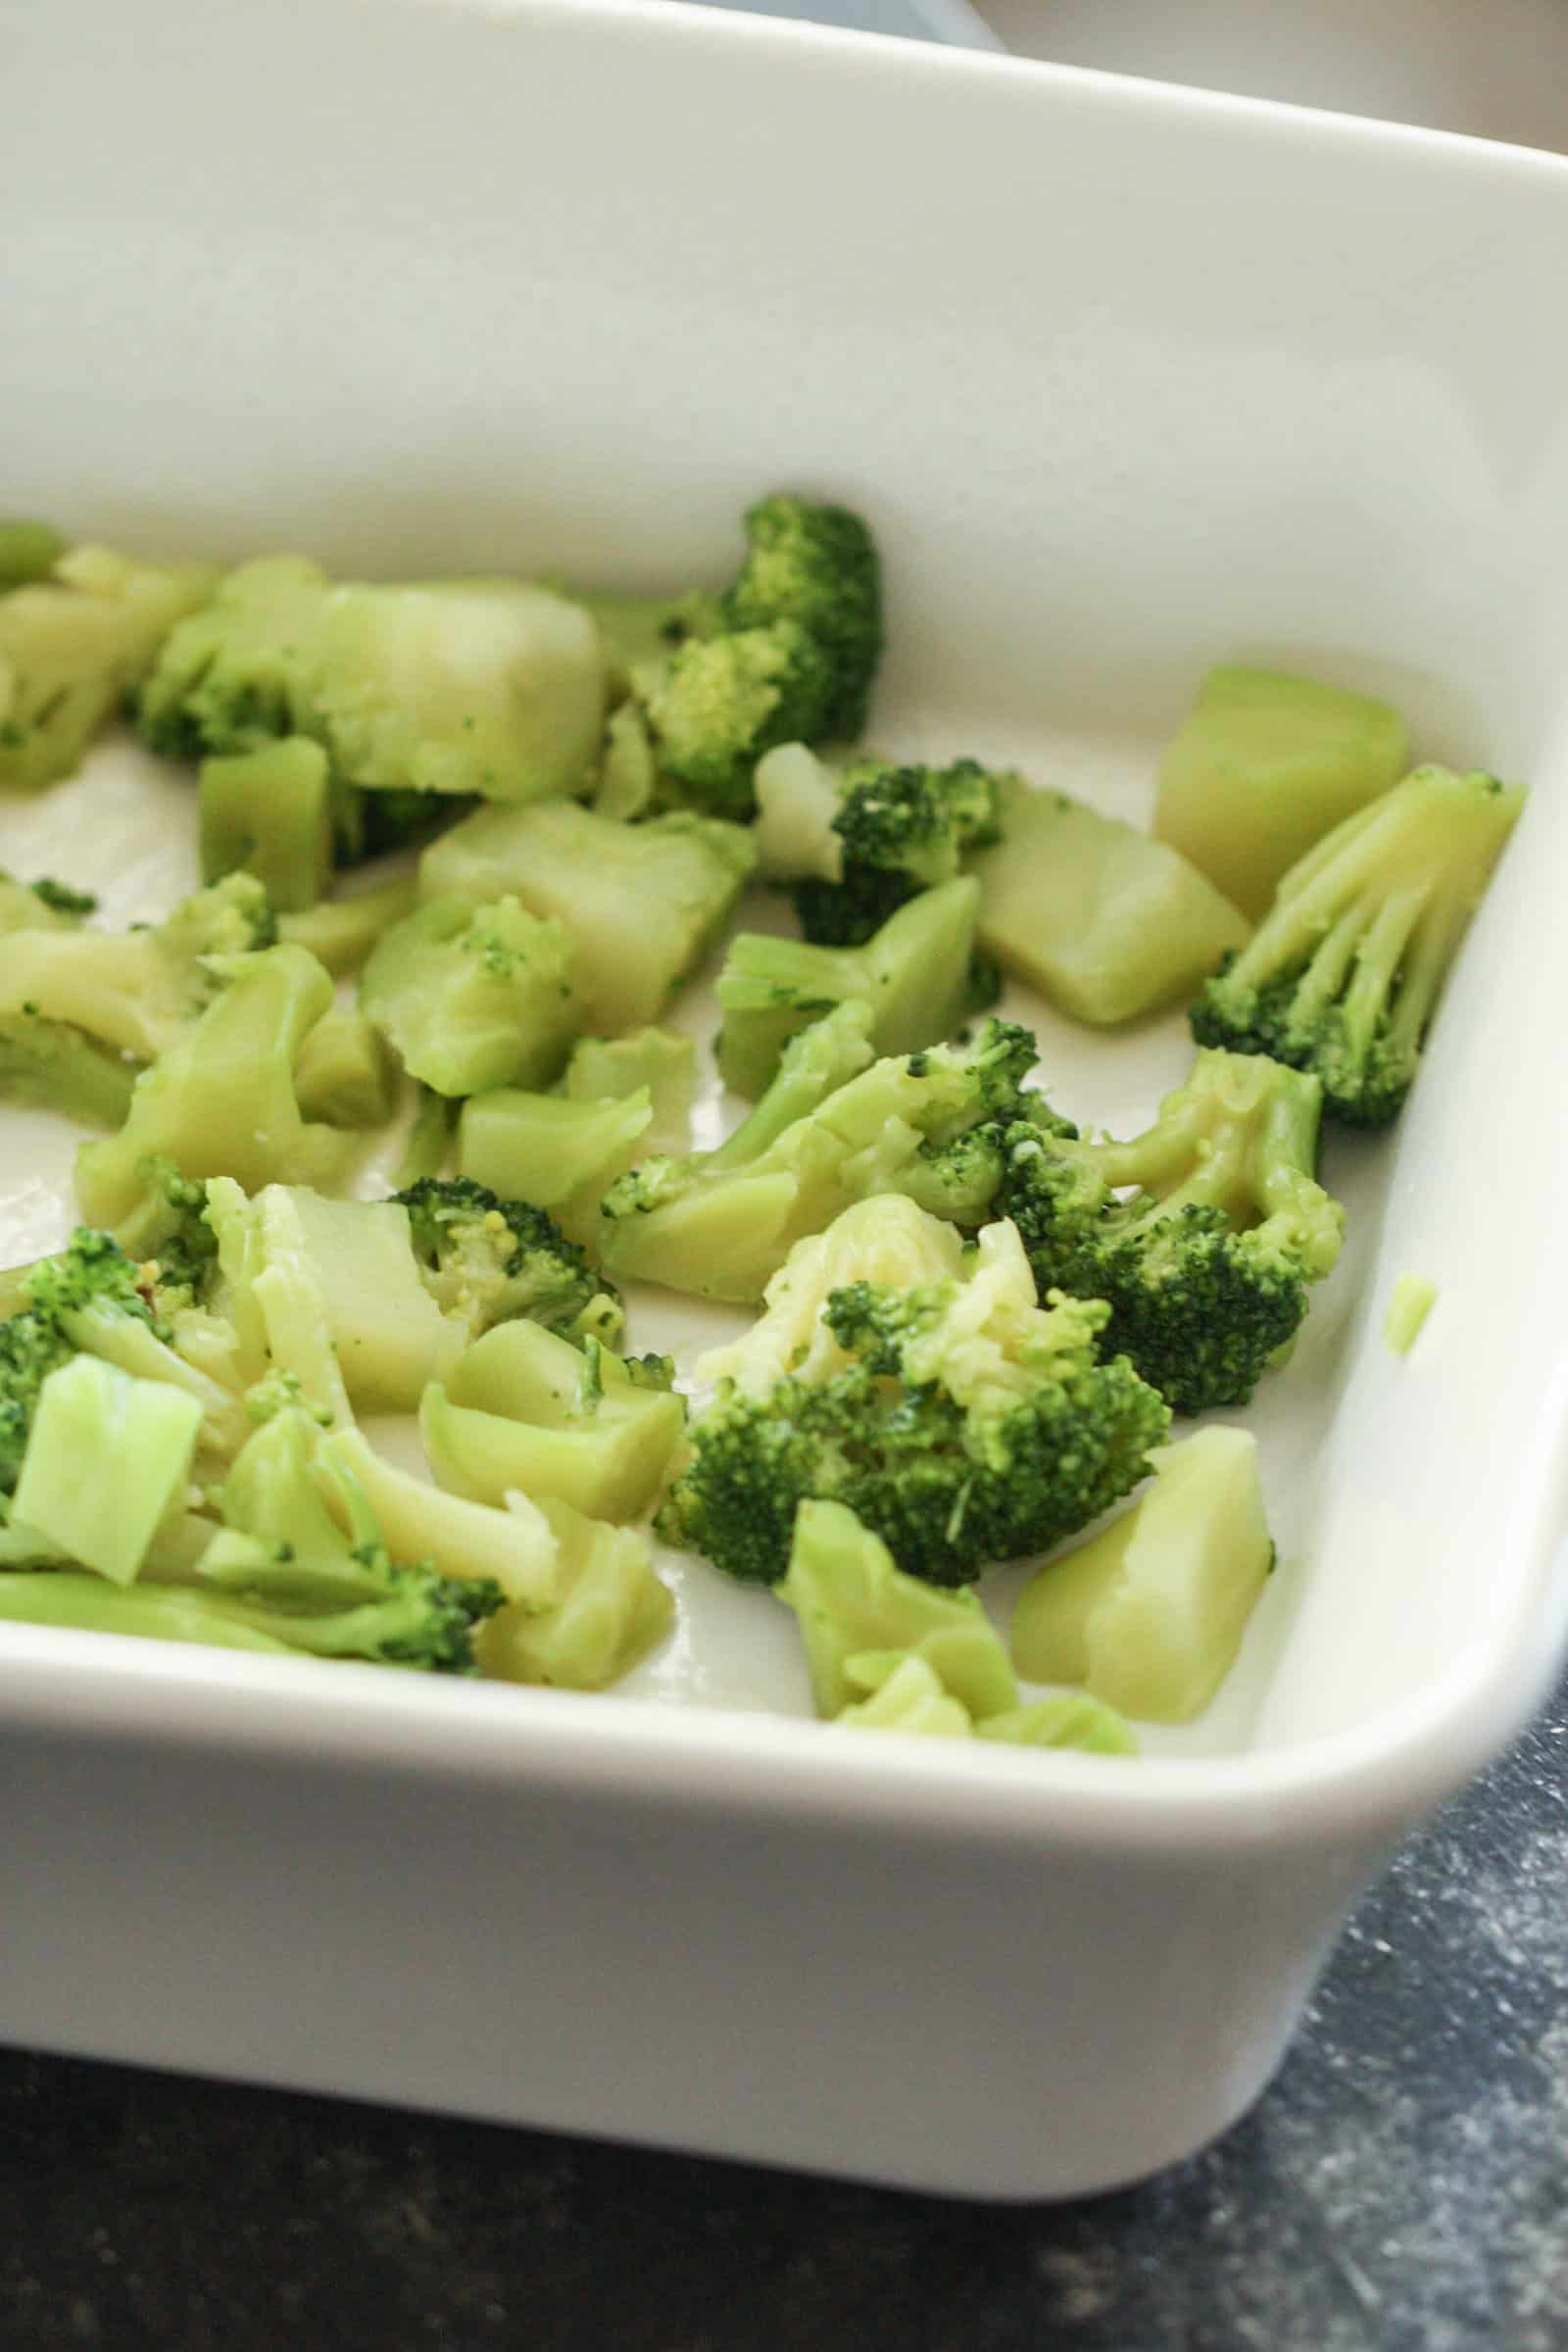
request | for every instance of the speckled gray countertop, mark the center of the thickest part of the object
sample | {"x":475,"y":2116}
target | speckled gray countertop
{"x":1402,"y":2188}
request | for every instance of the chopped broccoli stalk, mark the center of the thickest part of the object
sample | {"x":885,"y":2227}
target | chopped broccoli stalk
{"x":86,"y":1604}
{"x":641,"y":903}
{"x":48,"y":1065}
{"x":221,"y":1100}
{"x":486,"y":1261}
{"x":1263,"y":767}
{"x":28,"y":551}
{"x":526,"y":1411}
{"x":474,"y":995}
{"x":514,"y":1548}
{"x":662,"y":1060}
{"x":489,"y":686}
{"x":345,"y":1073}
{"x":267,"y":812}
{"x":1203,"y":1234}
{"x":1067,"y":1719}
{"x":907,"y":1696}
{"x":546,"y":1148}
{"x":1103,"y":920}
{"x":427,"y":1152}
{"x":341,"y":932}
{"x":1150,"y":1613}
{"x":787,"y":655}
{"x":628,"y":777}
{"x":849,"y":1597}
{"x":916,"y":973}
{"x":133,"y":991}
{"x":1343,"y":975}
{"x":42,"y":906}
{"x":107,"y":1458}
{"x":859,"y":842}
{"x":612,"y":1609}
{"x":919,"y":1383}
{"x":1413,"y":1298}
{"x":828,"y":1132}
{"x":71,"y":644}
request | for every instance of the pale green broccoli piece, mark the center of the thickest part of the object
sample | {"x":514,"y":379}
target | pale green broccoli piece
{"x":488,"y":687}
{"x":485,"y":1260}
{"x":221,"y":1100}
{"x":346,"y":1073}
{"x":917,"y":974}
{"x":641,"y":903}
{"x":47,"y":1065}
{"x":268,"y":812}
{"x":602,"y":1069}
{"x":341,"y":932}
{"x":472,"y":996}
{"x":523,"y":1410}
{"x":108,"y":1456}
{"x":516,"y":1548}
{"x":857,"y":842}
{"x":1150,"y":1613}
{"x":562,"y":1156}
{"x":905,"y":1695}
{"x":28,"y":551}
{"x":628,"y":777}
{"x":73,"y":644}
{"x":1411,"y":1300}
{"x":610,"y":1609}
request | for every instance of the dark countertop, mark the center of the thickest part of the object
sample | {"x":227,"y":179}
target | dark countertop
{"x":1400,"y":2188}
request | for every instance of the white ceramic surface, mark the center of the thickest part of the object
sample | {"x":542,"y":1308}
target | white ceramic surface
{"x":1139,"y":380}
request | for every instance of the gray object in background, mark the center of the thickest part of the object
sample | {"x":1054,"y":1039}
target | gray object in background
{"x":950,"y":21}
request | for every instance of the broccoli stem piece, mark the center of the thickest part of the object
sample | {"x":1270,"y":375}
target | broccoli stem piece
{"x":546,"y":1148}
{"x":472,"y":996}
{"x":1149,"y":1614}
{"x":47,"y":1065}
{"x":1343,"y":973}
{"x":1411,"y":1300}
{"x":345,"y":1074}
{"x":609,"y":1610}
{"x":87,"y":1604}
{"x":268,"y":813}
{"x":428,"y":1151}
{"x":517,"y":1547}
{"x":139,"y":1436}
{"x":341,"y":932}
{"x":915,"y":974}
{"x":28,"y":551}
{"x":602,"y":1069}
{"x":640,"y":902}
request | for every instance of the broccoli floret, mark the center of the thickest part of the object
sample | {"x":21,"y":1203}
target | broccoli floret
{"x":921,"y":1383}
{"x":222,"y":1100}
{"x":169,"y":1230}
{"x":73,"y":642}
{"x":917,"y":974}
{"x":557,"y":1154}
{"x":522,"y":1410}
{"x":1343,"y":975}
{"x":828,"y":1131}
{"x":488,"y":687}
{"x":794,"y":650}
{"x":474,"y":996}
{"x":1203,"y":1234}
{"x":663,"y":1061}
{"x":139,"y":1437}
{"x":641,"y":903}
{"x":860,"y":841}
{"x":486,"y":1259}
{"x":1150,"y":1613}
{"x":133,"y":991}
{"x":516,"y":1549}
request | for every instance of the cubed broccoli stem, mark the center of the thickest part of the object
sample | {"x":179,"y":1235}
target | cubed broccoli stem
{"x":612,"y":1609}
{"x":916,"y":974}
{"x":341,"y":932}
{"x":602,"y":1069}
{"x":560,"y":1154}
{"x":1263,"y":766}
{"x":1103,"y":920}
{"x":221,"y":1100}
{"x":524,"y":1411}
{"x":267,"y":812}
{"x":28,"y":551}
{"x":475,"y":996}
{"x":355,"y":1261}
{"x":346,"y":1075}
{"x":641,"y":903}
{"x":1148,"y":1614}
{"x":108,"y":1457}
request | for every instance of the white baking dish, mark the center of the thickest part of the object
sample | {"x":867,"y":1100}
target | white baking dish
{"x":1127,"y":379}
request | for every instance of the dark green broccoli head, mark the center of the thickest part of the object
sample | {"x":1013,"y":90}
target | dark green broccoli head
{"x":900,"y":830}
{"x":488,"y":1260}
{"x":61,"y":898}
{"x":31,"y":1346}
{"x":168,"y":1228}
{"x":1342,"y":976}
{"x":815,"y":565}
{"x":717,"y":703}
{"x":91,"y":1272}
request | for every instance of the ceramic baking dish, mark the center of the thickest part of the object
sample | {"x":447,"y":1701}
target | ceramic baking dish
{"x":1128,"y":379}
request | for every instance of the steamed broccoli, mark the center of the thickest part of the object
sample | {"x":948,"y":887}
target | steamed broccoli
{"x":28,"y":551}
{"x":856,"y":842}
{"x":341,"y":932}
{"x":829,"y":1131}
{"x":268,"y":812}
{"x":1343,"y":974}
{"x":72,"y":641}
{"x":640,"y":903}
{"x":920,"y":1382}
{"x":472,"y":996}
{"x":1203,"y":1234}
{"x":486,"y":1259}
{"x":559,"y":1154}
{"x":917,"y":974}
{"x":495,"y":687}
{"x":610,"y":1609}
{"x":661,"y":1062}
{"x":139,"y":1437}
{"x":793,"y":649}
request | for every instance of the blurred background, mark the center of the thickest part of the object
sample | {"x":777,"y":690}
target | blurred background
{"x":1498,"y":69}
